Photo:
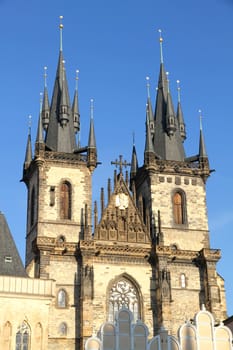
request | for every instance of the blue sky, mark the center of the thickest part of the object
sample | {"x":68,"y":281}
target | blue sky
{"x":115,"y":46}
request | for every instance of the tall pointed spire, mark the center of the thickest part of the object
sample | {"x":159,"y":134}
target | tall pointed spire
{"x":91,"y":140}
{"x":39,"y":136}
{"x":92,"y":150}
{"x":167,"y":139}
{"x":28,"y":153}
{"x":170,"y":115}
{"x":149,"y":111}
{"x":202,"y":148}
{"x":45,"y":104}
{"x":134,"y":160}
{"x":60,"y":135}
{"x":75,"y":106}
{"x":179,"y":114}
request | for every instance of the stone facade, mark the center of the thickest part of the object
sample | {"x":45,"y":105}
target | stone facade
{"x":148,"y":252}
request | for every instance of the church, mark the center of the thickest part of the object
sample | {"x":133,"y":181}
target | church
{"x":142,"y":257}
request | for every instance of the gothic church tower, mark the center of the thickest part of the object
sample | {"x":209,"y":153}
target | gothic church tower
{"x":58,"y":179}
{"x":149,"y":252}
{"x":170,"y":187}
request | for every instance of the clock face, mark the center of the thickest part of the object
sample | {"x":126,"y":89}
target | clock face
{"x":121,"y":201}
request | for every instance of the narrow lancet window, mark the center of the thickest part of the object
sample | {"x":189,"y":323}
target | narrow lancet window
{"x":65,"y":201}
{"x":179,"y":208}
{"x":62,"y":298}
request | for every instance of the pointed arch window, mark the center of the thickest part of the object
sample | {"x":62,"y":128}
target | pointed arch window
{"x":23,"y":337}
{"x":179,"y":207}
{"x":123,"y":294}
{"x":65,"y":200}
{"x":62,"y":329}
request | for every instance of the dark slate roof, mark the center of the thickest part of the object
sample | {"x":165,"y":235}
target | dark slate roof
{"x":168,"y":148}
{"x":58,"y":138}
{"x":10,"y":261}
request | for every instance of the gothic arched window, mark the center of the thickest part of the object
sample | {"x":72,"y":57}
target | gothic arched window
{"x":183,"y":280}
{"x":23,"y":337}
{"x":61,"y":298}
{"x":123,"y":294}
{"x":62,"y":329}
{"x":179,"y":210}
{"x":65,"y":200}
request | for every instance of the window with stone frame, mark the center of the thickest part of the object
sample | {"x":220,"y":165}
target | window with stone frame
{"x":22,"y":341}
{"x":62,"y":329}
{"x":65,"y":200}
{"x":179,"y":208}
{"x":183,"y":280}
{"x":62,"y":299}
{"x":123,"y":294}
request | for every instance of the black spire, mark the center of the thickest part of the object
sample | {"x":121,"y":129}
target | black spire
{"x":134,"y":162}
{"x":179,"y":115}
{"x":28,"y":153}
{"x":167,"y":139}
{"x":60,"y":135}
{"x":75,"y":107}
{"x":202,"y":148}
{"x":91,"y":148}
{"x":45,"y":104}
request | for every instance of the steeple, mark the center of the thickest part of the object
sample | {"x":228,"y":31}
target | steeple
{"x":60,"y":135}
{"x":91,"y":149}
{"x":179,"y":115}
{"x":28,"y":153}
{"x":39,"y":137}
{"x":45,"y":104}
{"x":149,"y":108}
{"x":170,"y":115}
{"x":75,"y":107}
{"x":134,"y":161}
{"x":167,"y":139}
{"x":202,"y":149}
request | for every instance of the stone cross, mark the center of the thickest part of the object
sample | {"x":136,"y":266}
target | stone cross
{"x":121,"y":163}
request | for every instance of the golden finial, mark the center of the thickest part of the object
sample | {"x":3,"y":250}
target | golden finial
{"x":161,"y":45}
{"x":148,"y":86}
{"x":178,"y":89}
{"x":61,"y":28}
